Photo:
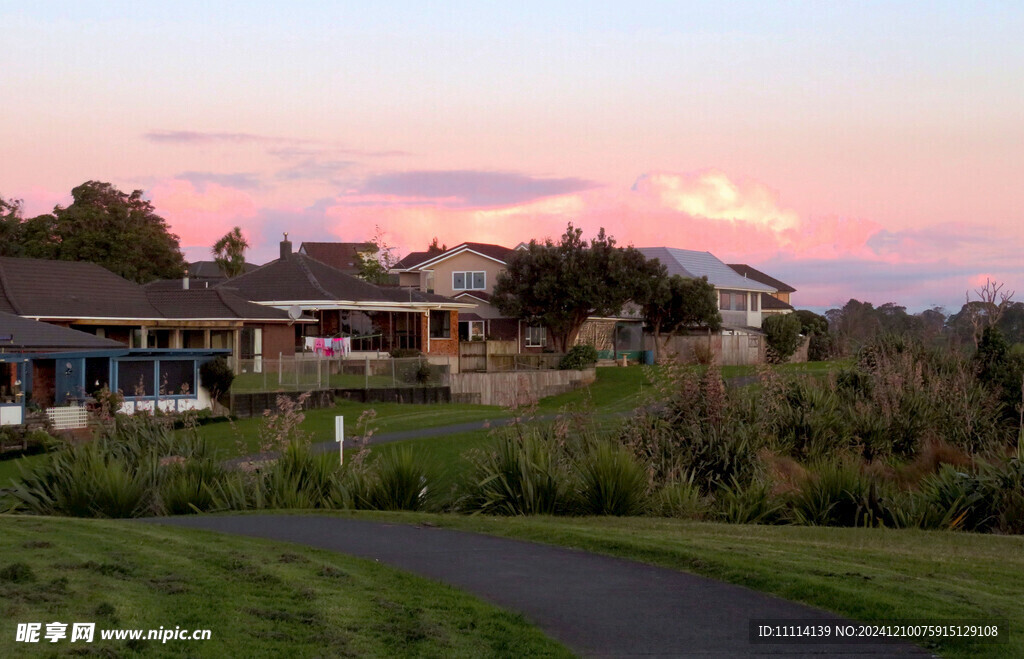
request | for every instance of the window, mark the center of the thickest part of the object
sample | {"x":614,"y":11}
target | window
{"x":440,"y":325}
{"x":536,"y":337}
{"x":754,"y":300}
{"x":177,"y":378}
{"x":469,"y":281}
{"x":732,"y":300}
{"x":471,"y":330}
{"x":135,"y":378}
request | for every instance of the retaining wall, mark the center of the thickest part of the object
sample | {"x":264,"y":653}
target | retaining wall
{"x":517,"y":388}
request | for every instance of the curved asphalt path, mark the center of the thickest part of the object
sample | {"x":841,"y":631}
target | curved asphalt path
{"x":596,"y":605}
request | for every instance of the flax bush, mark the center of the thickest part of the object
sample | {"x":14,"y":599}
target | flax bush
{"x":611,"y":482}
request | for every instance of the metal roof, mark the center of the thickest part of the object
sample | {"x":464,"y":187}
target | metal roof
{"x":693,"y":264}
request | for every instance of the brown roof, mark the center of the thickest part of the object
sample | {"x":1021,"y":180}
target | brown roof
{"x":417,"y":259}
{"x":769,"y":303}
{"x":480,"y":295}
{"x":757,"y":275}
{"x":343,"y":256}
{"x":413,"y":259}
{"x":210,"y":303}
{"x":33,"y":336}
{"x":69,"y":289}
{"x":299,"y":277}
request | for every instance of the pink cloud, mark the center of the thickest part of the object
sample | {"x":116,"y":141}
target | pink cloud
{"x":201,"y":216}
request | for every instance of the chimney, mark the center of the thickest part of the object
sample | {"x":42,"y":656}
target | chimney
{"x":184,"y":283}
{"x":286,"y":246}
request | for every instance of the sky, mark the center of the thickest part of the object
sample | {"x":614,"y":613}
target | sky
{"x":868,"y":150}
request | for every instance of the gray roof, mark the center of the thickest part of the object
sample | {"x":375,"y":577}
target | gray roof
{"x":689,"y":263}
{"x":32,"y":335}
{"x":69,"y":289}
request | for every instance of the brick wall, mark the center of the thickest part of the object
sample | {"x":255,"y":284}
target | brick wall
{"x":447,"y":347}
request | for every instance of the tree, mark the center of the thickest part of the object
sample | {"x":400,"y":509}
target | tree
{"x":229,"y":253}
{"x":560,"y":285}
{"x":435,"y":248}
{"x":991,"y":304}
{"x":676,"y":302}
{"x":376,"y":261}
{"x":120,"y":232}
{"x":10,"y":227}
{"x":810,"y":322}
{"x":783,"y":336}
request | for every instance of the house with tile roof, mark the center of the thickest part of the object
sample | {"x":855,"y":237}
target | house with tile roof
{"x":161,"y":315}
{"x":376,"y":318}
{"x":469,"y":272}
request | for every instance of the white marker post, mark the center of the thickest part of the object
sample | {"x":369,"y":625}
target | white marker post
{"x":339,"y":436}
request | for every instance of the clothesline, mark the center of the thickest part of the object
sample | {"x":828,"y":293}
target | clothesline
{"x":329,"y":347}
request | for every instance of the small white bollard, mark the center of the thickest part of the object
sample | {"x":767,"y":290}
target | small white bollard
{"x":339,"y":436}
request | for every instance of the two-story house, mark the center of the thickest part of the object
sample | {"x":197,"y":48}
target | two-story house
{"x":777,"y":303}
{"x":468,"y":273}
{"x":739,"y":297}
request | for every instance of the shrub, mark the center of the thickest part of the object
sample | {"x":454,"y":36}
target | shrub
{"x":823,"y":347}
{"x":400,"y":480}
{"x":216,"y":375}
{"x":783,"y":336}
{"x":579,"y":357}
{"x":752,"y":503}
{"x":680,"y":499}
{"x":611,"y":482}
{"x":838,"y":493}
{"x":404,"y":353}
{"x":520,"y":476}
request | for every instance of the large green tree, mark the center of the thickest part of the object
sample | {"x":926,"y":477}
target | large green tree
{"x":119,"y":231}
{"x":559,"y":285}
{"x":675,"y":303}
{"x":229,"y":253}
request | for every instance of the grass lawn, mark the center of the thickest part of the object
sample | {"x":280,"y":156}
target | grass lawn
{"x":258,"y":598}
{"x":866,"y":574}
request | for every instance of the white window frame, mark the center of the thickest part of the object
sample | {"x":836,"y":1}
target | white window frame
{"x":467,"y":278}
{"x":531,"y":339}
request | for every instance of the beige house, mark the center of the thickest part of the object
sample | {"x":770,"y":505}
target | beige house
{"x":467,"y":273}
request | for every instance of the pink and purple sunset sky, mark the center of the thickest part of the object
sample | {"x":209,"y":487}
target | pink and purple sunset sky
{"x":857,"y":149}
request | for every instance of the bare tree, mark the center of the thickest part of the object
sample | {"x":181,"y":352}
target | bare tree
{"x":990,"y":306}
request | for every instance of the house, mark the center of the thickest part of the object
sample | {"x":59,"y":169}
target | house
{"x":161,"y":315}
{"x":771,"y":303}
{"x":376,"y":318}
{"x":340,"y":256}
{"x":468,"y":273}
{"x":739,"y":297}
{"x":51,"y":367}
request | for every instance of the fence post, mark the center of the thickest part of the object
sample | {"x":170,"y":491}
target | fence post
{"x":366,"y":374}
{"x":280,"y":369}
{"x":394,"y":380}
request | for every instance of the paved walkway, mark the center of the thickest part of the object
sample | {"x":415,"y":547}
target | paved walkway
{"x":596,"y":605}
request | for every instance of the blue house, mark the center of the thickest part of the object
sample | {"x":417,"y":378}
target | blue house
{"x":47,"y":367}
